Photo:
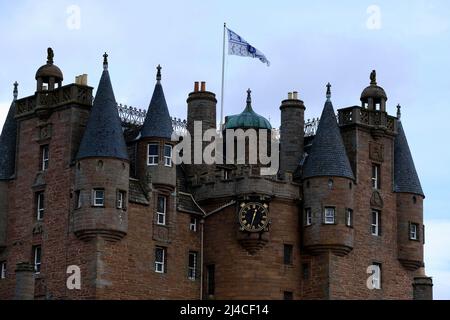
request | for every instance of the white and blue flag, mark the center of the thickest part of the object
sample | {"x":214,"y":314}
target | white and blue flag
{"x":239,"y":47}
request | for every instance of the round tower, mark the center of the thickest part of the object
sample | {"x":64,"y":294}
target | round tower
{"x":328,"y":190}
{"x":102,"y":170}
{"x":155,"y":146}
{"x":410,"y":198}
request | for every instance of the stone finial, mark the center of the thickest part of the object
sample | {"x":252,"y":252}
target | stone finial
{"x":50,"y":56}
{"x":249,"y":98}
{"x":373,"y":78}
{"x":399,"y":112}
{"x":158,"y":74}
{"x":328,"y":92}
{"x":16,"y":91}
{"x":105,"y":61}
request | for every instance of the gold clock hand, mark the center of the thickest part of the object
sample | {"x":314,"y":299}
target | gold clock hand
{"x":254,"y":217}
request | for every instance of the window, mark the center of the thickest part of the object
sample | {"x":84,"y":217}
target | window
{"x":226,"y":174}
{"x":376,"y":183}
{"x":192,"y":267}
{"x":193,"y":224}
{"x":40,"y":206}
{"x":308,"y":217}
{"x":44,"y":157}
{"x":121,"y":198}
{"x":413,"y":231}
{"x":37,"y":252}
{"x":160,"y":260}
{"x":211,"y":279}
{"x":376,"y":276}
{"x":349,"y":218}
{"x":99,"y":198}
{"x":77,"y":199}
{"x":288,"y":258}
{"x":153,"y":154}
{"x":330,"y":215}
{"x":168,"y":155}
{"x":3,"y":270}
{"x":287,"y":295}
{"x":306,"y":270}
{"x":376,"y":223}
{"x":161,"y":211}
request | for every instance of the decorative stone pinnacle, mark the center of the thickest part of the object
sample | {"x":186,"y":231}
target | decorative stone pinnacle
{"x":16,"y":91}
{"x":158,"y":74}
{"x":249,"y":97}
{"x":50,"y":56}
{"x":105,"y":61}
{"x":328,"y":91}
{"x":373,"y":78}
{"x":399,"y":112}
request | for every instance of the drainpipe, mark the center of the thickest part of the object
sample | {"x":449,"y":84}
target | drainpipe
{"x":202,"y":225}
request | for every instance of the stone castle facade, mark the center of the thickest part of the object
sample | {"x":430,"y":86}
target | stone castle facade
{"x":342,"y":219}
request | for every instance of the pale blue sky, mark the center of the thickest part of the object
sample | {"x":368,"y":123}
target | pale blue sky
{"x":308,"y":44}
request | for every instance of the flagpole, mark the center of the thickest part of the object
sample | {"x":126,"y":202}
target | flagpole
{"x":223,"y":78}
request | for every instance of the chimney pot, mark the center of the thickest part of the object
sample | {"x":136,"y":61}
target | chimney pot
{"x":203,"y":86}
{"x":295,"y":95}
{"x":196,"y":87}
{"x":290,"y":95}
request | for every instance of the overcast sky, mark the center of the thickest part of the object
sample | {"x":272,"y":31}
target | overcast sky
{"x":308,"y":43}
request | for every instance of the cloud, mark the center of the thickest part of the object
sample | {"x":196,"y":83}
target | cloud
{"x":437,"y":256}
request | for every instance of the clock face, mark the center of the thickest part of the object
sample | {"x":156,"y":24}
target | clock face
{"x":254,"y":217}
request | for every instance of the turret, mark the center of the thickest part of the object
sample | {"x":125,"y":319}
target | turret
{"x":7,"y":163}
{"x":102,"y":170}
{"x":328,"y":189}
{"x":49,"y":76}
{"x":374,"y":97}
{"x":291,"y":133}
{"x":155,"y":146}
{"x":410,"y":198}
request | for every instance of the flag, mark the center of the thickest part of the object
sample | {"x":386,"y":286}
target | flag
{"x":239,"y":47}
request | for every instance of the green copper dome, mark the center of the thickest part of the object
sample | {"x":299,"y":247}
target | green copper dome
{"x":248,"y":118}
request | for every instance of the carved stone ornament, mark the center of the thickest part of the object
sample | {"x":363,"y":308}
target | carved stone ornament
{"x":376,"y":200}
{"x":376,"y":151}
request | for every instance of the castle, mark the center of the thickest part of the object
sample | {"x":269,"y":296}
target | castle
{"x":80,"y":189}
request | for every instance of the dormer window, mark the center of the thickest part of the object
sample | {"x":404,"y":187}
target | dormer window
{"x":153,"y":154}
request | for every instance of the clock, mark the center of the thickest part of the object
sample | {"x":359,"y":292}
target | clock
{"x":254,"y":217}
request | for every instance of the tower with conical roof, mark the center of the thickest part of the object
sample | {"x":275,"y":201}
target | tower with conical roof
{"x":327,"y":189}
{"x":102,"y":170}
{"x":155,"y":145}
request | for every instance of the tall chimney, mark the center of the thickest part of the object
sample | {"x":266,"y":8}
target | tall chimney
{"x":291,"y":133}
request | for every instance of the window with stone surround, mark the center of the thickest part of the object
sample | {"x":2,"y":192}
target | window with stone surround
{"x":414,"y":231}
{"x":349,"y":218}
{"x":376,"y":174}
{"x":308,"y":217}
{"x":160,"y":259}
{"x":330,"y":215}
{"x":376,"y":226}
{"x":37,"y":255}
{"x":376,"y":276}
{"x":168,"y":155}
{"x":98,"y":197}
{"x":211,"y":279}
{"x":121,"y":199}
{"x":288,"y":254}
{"x":78,"y":202}
{"x":40,"y":208}
{"x":193,"y":224}
{"x":153,"y":154}
{"x":161,"y":210}
{"x":44,"y":158}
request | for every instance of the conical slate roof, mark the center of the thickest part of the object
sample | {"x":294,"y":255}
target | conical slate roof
{"x":8,"y":144}
{"x":328,"y":156}
{"x":103,"y":136}
{"x":406,"y":179}
{"x":158,"y":123}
